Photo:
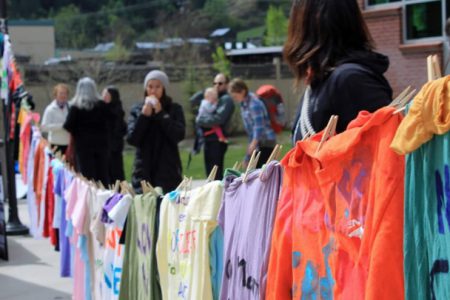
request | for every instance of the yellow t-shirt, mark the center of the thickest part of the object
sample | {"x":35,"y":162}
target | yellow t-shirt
{"x":429,"y":114}
{"x":186,"y":221}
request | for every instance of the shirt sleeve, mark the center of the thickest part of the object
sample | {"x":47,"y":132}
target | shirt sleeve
{"x":257,"y":114}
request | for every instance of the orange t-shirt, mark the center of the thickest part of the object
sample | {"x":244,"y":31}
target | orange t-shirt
{"x":339,"y":225}
{"x":25,"y":120}
{"x":39,"y":174}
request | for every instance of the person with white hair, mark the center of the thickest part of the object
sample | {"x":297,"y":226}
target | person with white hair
{"x":155,"y":127}
{"x":87,"y":122}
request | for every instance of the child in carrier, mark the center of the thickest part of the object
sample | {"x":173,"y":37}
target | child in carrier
{"x":209,"y":106}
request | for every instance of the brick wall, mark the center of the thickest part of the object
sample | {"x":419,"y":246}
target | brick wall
{"x":408,"y":61}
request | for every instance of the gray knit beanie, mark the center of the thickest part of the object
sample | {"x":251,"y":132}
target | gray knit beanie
{"x":159,"y":75}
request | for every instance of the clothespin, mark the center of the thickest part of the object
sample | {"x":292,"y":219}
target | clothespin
{"x":277,"y":155}
{"x":213,"y":174}
{"x":151,"y":188}
{"x":400,"y":97}
{"x":100,"y":184}
{"x":307,"y":135}
{"x":329,"y":131}
{"x":403,"y":102}
{"x":249,"y":166}
{"x":237,"y":166}
{"x":436,"y":67}
{"x":182,"y":183}
{"x":273,"y":156}
{"x":144,"y":187}
{"x":117,"y":186}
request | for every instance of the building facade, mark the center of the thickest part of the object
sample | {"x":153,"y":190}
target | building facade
{"x":33,"y":40}
{"x":408,"y":31}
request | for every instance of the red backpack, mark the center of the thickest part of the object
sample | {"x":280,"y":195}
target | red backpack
{"x":274,"y":105}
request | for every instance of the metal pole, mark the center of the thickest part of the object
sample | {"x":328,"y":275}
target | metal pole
{"x":13,"y":226}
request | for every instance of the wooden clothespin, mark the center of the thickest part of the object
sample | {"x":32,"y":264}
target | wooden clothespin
{"x":237,"y":166}
{"x":273,"y":156}
{"x":396,"y":101}
{"x":144,"y":187}
{"x":329,"y":131}
{"x":212,"y":175}
{"x":151,"y":188}
{"x":403,"y":102}
{"x":182,"y":183}
{"x":249,"y":166}
{"x":436,"y":67}
{"x":117,"y":186}
{"x":100,"y":184}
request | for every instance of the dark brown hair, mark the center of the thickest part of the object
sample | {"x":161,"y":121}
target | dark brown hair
{"x":322,"y":32}
{"x":237,"y":85}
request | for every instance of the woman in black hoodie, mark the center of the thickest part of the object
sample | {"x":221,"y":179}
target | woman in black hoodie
{"x":330,"y":50}
{"x":118,"y":129}
{"x":155,"y":127}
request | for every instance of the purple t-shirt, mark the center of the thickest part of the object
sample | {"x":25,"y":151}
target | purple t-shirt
{"x":109,"y":204}
{"x":247,"y":217}
{"x":61,"y":181}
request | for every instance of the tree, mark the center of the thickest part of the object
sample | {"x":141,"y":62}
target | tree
{"x":216,"y":10}
{"x":221,"y":62}
{"x":276,"y":27}
{"x":70,"y":28}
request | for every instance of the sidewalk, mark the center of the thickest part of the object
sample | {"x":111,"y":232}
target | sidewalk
{"x":32,"y":272}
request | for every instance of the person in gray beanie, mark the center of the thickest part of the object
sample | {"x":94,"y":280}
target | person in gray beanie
{"x":155,"y":127}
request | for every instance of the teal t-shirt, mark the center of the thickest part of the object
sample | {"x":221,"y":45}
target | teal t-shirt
{"x":427,"y":221}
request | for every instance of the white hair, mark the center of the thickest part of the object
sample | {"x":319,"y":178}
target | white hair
{"x":86,"y":94}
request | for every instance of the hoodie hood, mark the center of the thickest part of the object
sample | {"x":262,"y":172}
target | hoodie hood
{"x":375,"y":61}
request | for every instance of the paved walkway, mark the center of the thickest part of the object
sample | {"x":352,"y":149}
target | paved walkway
{"x":32,"y":271}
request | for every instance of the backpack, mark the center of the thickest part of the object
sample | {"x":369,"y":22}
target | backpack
{"x":274,"y":103}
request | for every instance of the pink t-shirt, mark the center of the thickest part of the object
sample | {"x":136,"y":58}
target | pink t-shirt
{"x":76,"y":195}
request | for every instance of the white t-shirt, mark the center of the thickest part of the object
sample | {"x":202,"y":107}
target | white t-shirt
{"x":182,"y":249}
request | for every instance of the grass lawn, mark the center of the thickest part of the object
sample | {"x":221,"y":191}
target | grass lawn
{"x":236,"y":151}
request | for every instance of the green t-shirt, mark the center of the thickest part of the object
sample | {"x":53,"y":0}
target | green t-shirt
{"x":140,"y":273}
{"x":427,"y":221}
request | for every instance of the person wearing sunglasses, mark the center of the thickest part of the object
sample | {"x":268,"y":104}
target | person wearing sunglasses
{"x":214,"y":149}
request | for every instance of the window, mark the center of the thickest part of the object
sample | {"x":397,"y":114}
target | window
{"x":421,"y":18}
{"x":377,"y":2}
{"x":424,"y":20}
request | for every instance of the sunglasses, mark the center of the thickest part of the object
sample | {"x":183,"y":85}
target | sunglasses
{"x":218,"y":83}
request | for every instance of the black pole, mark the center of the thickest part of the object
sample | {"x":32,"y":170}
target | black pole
{"x":13,"y":226}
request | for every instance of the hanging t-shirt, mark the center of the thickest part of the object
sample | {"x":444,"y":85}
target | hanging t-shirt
{"x":426,"y":131}
{"x":25,"y":119}
{"x":347,"y":216}
{"x":114,"y":251}
{"x":97,"y":232}
{"x":139,"y":277}
{"x":186,"y":221}
{"x":31,"y":195}
{"x":76,"y":195}
{"x":62,"y":181}
{"x":246,"y":217}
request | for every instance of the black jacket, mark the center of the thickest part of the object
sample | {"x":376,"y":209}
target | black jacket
{"x":89,"y":128}
{"x":357,"y":83}
{"x":118,"y":128}
{"x":156,"y":140}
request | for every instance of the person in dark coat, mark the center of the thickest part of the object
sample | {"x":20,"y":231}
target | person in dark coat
{"x":155,"y":127}
{"x":330,"y":50}
{"x":118,"y":129}
{"x":87,"y":122}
